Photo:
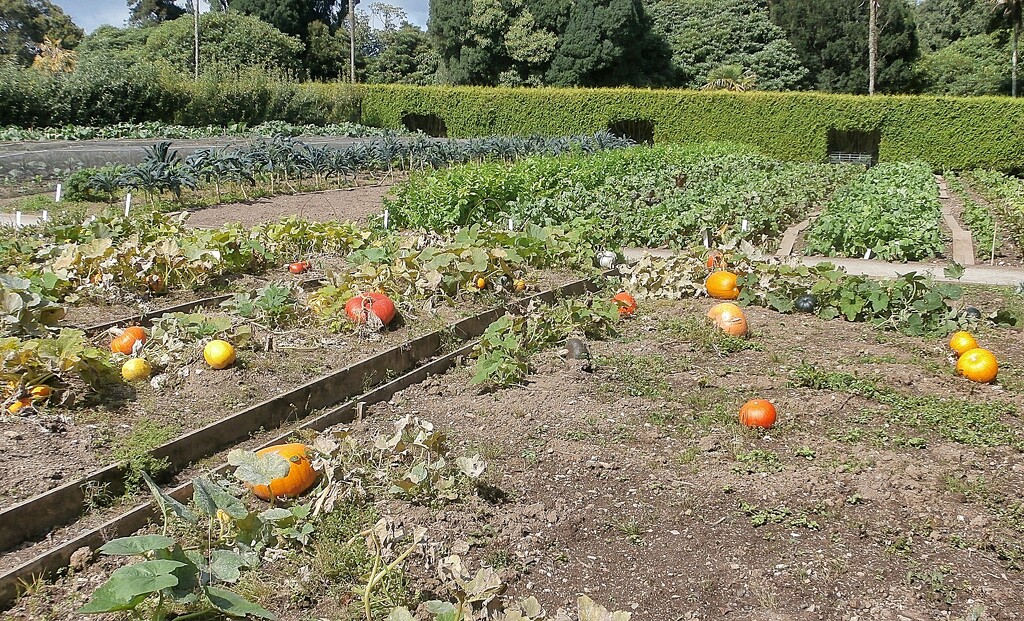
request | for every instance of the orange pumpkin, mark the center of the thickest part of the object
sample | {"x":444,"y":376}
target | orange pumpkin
{"x":978,"y":365}
{"x":757,"y":413}
{"x":300,"y":477}
{"x":722,"y":285}
{"x":729,"y":318}
{"x":125,"y":342}
{"x":626,"y":303}
{"x":962,"y":341}
{"x":359,"y":308}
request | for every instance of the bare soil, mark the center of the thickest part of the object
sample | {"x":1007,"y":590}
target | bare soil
{"x":635,"y":484}
{"x":354,"y":204}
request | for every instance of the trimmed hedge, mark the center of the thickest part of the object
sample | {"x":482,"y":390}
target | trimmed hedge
{"x":950,"y":133}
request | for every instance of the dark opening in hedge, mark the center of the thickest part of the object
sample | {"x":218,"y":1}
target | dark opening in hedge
{"x":853,"y":146}
{"x":429,"y":124}
{"x":640,"y":131}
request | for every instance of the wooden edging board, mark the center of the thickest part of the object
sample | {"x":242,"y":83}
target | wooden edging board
{"x":62,"y":505}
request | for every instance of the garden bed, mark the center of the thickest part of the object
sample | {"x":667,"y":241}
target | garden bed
{"x":635,"y":485}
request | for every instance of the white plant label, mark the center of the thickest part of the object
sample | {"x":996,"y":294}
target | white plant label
{"x":127,"y":204}
{"x":867,"y":255}
{"x":56,"y":196}
{"x":511,"y":225}
{"x":46,"y":215}
{"x":387,"y":217}
{"x":17,"y":219}
{"x":707,"y":238}
{"x":746,"y":225}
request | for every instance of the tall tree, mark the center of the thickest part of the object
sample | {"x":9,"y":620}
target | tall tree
{"x":294,"y":16}
{"x":707,"y":35}
{"x":152,"y":12}
{"x":872,"y":44}
{"x":941,"y":23}
{"x":609,"y":43}
{"x":25,"y":23}
{"x":831,"y":37}
{"x":1012,"y":12}
{"x":971,"y":66}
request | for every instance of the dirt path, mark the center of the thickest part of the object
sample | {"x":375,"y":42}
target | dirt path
{"x":356,"y":204}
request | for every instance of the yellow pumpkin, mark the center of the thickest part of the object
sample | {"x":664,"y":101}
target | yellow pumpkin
{"x":219,"y":354}
{"x":136,"y":369}
{"x":301,"y":476}
{"x":962,"y":341}
{"x":978,"y":365}
{"x":729,"y":318}
{"x":722,"y":285}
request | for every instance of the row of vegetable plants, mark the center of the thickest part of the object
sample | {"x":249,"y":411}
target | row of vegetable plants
{"x":281,"y":163}
{"x":1006,"y":194}
{"x":892,"y":212}
{"x":673,"y":196}
{"x":155,"y":129}
{"x":114,"y":256}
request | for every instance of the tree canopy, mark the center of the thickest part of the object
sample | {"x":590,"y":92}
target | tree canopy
{"x":705,"y":35}
{"x":831,"y":38}
{"x":25,"y":23}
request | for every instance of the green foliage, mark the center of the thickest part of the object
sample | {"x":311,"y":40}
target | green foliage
{"x":911,"y":303}
{"x":504,"y":351}
{"x":293,"y":17}
{"x":892,"y":210}
{"x":609,"y":43}
{"x":597,"y":42}
{"x":406,"y":58}
{"x":974,"y":65}
{"x":1006,"y":195}
{"x":155,"y":129}
{"x":966,"y":421}
{"x":274,"y":305}
{"x":152,"y":12}
{"x":789,"y":126}
{"x":706,"y":35}
{"x":639,"y":196}
{"x":24,"y":24}
{"x":979,"y":219}
{"x":235,"y":539}
{"x":24,"y":310}
{"x":941,"y":23}
{"x":68,"y":360}
{"x":108,"y":90}
{"x":231,"y":41}
{"x":831,"y":37}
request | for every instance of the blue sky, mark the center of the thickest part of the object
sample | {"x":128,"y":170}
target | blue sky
{"x":90,"y":14}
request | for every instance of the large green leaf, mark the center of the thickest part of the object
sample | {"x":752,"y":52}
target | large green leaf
{"x":258,"y":469}
{"x":137,"y":545}
{"x":235,"y":605}
{"x":129,"y":586}
{"x":166,"y":502}
{"x":209,"y":497}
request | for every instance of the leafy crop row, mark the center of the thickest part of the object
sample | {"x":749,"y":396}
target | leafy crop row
{"x":662,"y":196}
{"x":893,"y":211}
{"x":156,"y":129}
{"x":911,"y":304}
{"x":280,"y":160}
{"x":1006,"y":194}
